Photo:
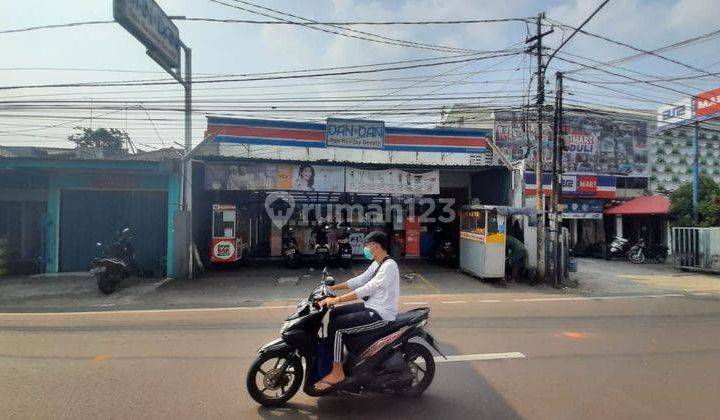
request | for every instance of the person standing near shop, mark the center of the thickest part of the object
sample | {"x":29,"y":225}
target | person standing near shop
{"x":515,"y":256}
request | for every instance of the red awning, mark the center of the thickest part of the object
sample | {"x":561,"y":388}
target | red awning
{"x":650,"y":204}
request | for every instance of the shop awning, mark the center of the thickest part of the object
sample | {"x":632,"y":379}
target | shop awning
{"x":646,"y":205}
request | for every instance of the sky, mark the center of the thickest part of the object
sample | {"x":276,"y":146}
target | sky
{"x":152,"y":114}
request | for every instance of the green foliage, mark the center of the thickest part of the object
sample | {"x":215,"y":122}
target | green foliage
{"x":110,"y":139}
{"x":708,"y":204}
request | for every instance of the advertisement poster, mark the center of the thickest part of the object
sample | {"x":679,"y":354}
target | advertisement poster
{"x":272,"y":176}
{"x":595,"y":144}
{"x":392,"y":181}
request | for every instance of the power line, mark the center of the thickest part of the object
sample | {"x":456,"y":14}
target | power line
{"x":381,"y":39}
{"x":295,"y":76}
{"x":623,"y":44}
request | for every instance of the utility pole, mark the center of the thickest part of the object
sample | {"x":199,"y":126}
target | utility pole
{"x":540,"y":100}
{"x":696,"y":173}
{"x":558,"y":148}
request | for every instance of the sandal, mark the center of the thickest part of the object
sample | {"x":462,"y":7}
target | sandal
{"x":331,"y":386}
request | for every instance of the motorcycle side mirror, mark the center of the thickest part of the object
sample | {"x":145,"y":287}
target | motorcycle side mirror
{"x":98,"y":243}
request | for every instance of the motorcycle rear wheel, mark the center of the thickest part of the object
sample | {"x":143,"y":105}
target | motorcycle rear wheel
{"x":422,"y":366}
{"x":107,"y":284}
{"x":266,"y":370}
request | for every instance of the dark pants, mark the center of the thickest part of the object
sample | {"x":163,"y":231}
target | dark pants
{"x":351,"y":319}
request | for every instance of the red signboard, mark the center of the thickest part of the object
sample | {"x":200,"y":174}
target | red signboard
{"x":708,"y":103}
{"x":223,"y":250}
{"x":587,"y":185}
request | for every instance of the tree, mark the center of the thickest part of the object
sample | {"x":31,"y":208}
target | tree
{"x":111,"y":140}
{"x":708,"y":204}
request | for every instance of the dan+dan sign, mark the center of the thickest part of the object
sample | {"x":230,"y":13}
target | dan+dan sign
{"x":362,"y":134}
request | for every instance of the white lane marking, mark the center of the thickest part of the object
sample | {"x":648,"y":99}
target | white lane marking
{"x":491,"y":301}
{"x":454,"y":301}
{"x":599,"y":297}
{"x":146,"y":311}
{"x":414,"y":303}
{"x":479,"y":356}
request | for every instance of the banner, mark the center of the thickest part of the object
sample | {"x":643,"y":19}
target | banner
{"x":575,"y":185}
{"x":272,"y":176}
{"x":579,"y":208}
{"x":595,"y":144}
{"x":392,"y":181}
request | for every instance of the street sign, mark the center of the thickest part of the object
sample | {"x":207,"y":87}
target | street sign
{"x":363,"y":134}
{"x":147,"y":22}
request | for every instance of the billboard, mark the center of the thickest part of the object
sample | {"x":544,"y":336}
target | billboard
{"x":708,"y":103}
{"x":671,"y":115}
{"x":272,"y":176}
{"x":595,"y":144}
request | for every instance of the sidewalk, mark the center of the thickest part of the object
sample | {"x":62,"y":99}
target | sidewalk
{"x":269,"y":283}
{"x":245,"y":286}
{"x":600,"y":277}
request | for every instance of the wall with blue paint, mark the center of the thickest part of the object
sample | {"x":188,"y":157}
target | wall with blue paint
{"x":72,"y":174}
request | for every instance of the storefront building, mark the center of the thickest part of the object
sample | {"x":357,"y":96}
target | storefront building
{"x":65,"y":206}
{"x":264,"y":177}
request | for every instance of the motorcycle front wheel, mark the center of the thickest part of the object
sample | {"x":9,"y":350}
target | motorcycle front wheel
{"x":421,"y":364}
{"x":274,"y":378}
{"x":636,"y":255}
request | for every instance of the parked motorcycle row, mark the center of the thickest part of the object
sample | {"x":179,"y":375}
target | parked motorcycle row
{"x":637,"y":253}
{"x":443,"y":253}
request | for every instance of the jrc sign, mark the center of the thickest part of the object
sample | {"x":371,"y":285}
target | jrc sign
{"x":708,"y":103}
{"x":674,"y":114}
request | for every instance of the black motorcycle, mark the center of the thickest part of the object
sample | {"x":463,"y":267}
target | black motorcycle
{"x":383,"y":360}
{"x":344,"y":251}
{"x":641,"y":252}
{"x":115,"y":265}
{"x":290,"y":250}
{"x":444,"y":252}
{"x":322,"y":250}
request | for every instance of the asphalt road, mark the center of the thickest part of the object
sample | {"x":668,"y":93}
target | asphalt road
{"x":635,"y":357}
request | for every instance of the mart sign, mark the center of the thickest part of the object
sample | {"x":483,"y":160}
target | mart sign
{"x":708,"y":103}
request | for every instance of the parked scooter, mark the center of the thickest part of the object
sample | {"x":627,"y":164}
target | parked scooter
{"x":290,"y":250}
{"x":344,"y":248}
{"x":383,"y":360}
{"x":116,"y":264}
{"x":619,"y":247}
{"x":322,"y":250}
{"x":444,"y":252}
{"x":641,"y":252}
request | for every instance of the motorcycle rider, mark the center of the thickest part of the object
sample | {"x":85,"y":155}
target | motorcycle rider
{"x":379,"y":287}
